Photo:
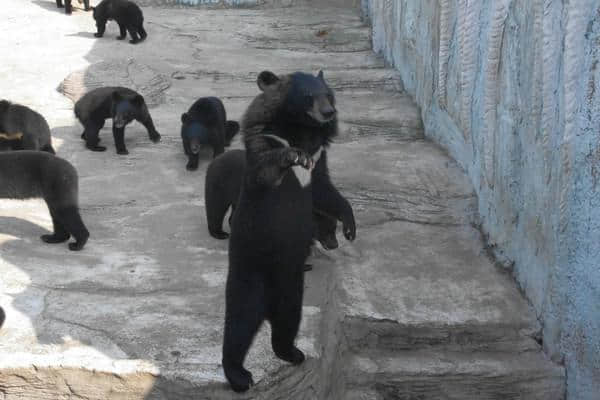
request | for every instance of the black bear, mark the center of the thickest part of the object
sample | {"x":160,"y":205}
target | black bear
{"x":2,"y":317}
{"x":33,"y":174}
{"x":69,"y":7}
{"x":122,"y":105}
{"x":224,"y":178}
{"x":206,"y":123}
{"x":21,"y":128}
{"x":128,"y":15}
{"x":286,"y":130}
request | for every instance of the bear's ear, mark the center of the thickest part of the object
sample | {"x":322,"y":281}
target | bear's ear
{"x":184,"y":118}
{"x":138,"y":100}
{"x":266,"y":79}
{"x":116,"y":96}
{"x":321,"y":76}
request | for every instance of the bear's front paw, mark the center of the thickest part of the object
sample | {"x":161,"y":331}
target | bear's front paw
{"x":122,"y":152}
{"x":96,"y":148}
{"x":221,"y":235}
{"x":120,"y":37}
{"x":349,"y":227}
{"x":98,"y":35}
{"x":192,"y":165}
{"x":54,"y":238}
{"x":134,"y":41}
{"x":76,"y":246}
{"x":240,"y":379}
{"x":294,"y":356}
{"x":155,"y":137}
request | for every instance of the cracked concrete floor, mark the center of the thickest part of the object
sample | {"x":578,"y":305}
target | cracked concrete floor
{"x":139,"y":312}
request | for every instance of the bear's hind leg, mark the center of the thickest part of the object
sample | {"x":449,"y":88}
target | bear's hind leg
{"x":142,"y":32}
{"x":285,"y":316}
{"x":72,"y":222}
{"x":216,"y":208}
{"x":134,"y":35}
{"x":123,"y":32}
{"x":59,"y":4}
{"x":91,"y":135}
{"x":60,"y":233}
{"x":86,"y":5}
{"x":244,"y":313}
{"x":68,"y":7}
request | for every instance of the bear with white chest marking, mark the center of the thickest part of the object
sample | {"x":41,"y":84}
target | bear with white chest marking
{"x":224,"y":178}
{"x":120,"y":104}
{"x":36,"y":174}
{"x":22,"y":128}
{"x":287,"y":129}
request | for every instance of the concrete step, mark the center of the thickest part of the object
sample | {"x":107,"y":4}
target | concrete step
{"x":435,"y":286}
{"x":442,"y":375}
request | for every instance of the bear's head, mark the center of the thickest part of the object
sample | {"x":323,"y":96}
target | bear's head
{"x":302,"y":98}
{"x":194,"y":131}
{"x":125,"y":108}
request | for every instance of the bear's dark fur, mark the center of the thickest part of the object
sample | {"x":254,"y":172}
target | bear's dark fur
{"x":21,"y":128}
{"x":2,"y":317}
{"x":69,"y":7}
{"x":34,"y":174}
{"x":224,"y":178}
{"x":122,"y":105}
{"x":127,"y":14}
{"x":206,"y":123}
{"x":286,"y":130}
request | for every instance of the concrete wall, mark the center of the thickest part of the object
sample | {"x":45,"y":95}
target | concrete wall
{"x":512,"y":89}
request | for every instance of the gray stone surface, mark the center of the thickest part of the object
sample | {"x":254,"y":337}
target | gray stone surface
{"x":511,"y":88}
{"x":139,"y":313}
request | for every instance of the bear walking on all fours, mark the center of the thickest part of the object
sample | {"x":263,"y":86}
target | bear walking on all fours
{"x":21,"y":128}
{"x":34,"y":174}
{"x":286,"y":130}
{"x":206,"y":123}
{"x":128,"y":16}
{"x":69,"y":7}
{"x":122,"y":105}
{"x":224,"y":178}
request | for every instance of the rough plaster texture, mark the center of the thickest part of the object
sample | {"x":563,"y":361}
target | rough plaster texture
{"x":512,"y":89}
{"x":138,"y":314}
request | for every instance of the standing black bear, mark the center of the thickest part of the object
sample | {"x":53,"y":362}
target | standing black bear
{"x":33,"y":174}
{"x":206,"y":123}
{"x":122,"y":105}
{"x":68,"y":6}
{"x":21,"y":128}
{"x":286,"y":130}
{"x":127,"y":14}
{"x":224,"y":178}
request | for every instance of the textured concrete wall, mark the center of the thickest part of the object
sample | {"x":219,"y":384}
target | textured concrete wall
{"x":512,"y":89}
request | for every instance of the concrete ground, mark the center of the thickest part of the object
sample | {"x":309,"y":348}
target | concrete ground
{"x":409,"y":309}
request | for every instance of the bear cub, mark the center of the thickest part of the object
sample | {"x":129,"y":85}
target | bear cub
{"x":224,"y":178}
{"x":34,"y":174}
{"x":287,"y":129}
{"x":206,"y":123}
{"x":128,"y":15}
{"x":120,"y":104}
{"x":69,"y":7}
{"x":21,"y":128}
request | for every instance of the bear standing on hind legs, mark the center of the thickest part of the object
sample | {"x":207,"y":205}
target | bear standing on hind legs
{"x":128,"y":15}
{"x":286,"y":130}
